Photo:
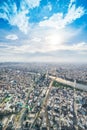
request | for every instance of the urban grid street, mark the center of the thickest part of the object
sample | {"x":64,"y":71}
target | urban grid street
{"x":31,"y":100}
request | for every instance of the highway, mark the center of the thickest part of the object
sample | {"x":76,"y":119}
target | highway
{"x":43,"y":105}
{"x":60,"y":80}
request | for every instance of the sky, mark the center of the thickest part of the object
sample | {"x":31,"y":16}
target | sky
{"x":43,"y":31}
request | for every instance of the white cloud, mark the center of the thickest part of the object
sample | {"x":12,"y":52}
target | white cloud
{"x":45,"y":17}
{"x":18,"y":18}
{"x":21,"y":19}
{"x":80,"y":46}
{"x":59,"y":21}
{"x":73,"y":14}
{"x":45,"y":41}
{"x":34,"y":48}
{"x":45,"y":49}
{"x":12,"y":37}
{"x":32,"y":3}
{"x":63,"y":53}
{"x":48,"y":36}
{"x":14,"y":17}
{"x":54,"y":21}
{"x":49,"y":6}
{"x":71,"y":3}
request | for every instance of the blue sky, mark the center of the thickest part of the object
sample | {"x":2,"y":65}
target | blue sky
{"x":43,"y":30}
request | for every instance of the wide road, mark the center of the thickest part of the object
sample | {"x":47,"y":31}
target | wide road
{"x":60,"y":80}
{"x":44,"y":103}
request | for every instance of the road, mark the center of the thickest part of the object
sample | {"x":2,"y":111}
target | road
{"x":43,"y":105}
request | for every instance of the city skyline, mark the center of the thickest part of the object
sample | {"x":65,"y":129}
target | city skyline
{"x":43,"y":30}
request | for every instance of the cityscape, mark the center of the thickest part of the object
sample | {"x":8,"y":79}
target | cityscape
{"x":33,"y":98}
{"x":43,"y":64}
